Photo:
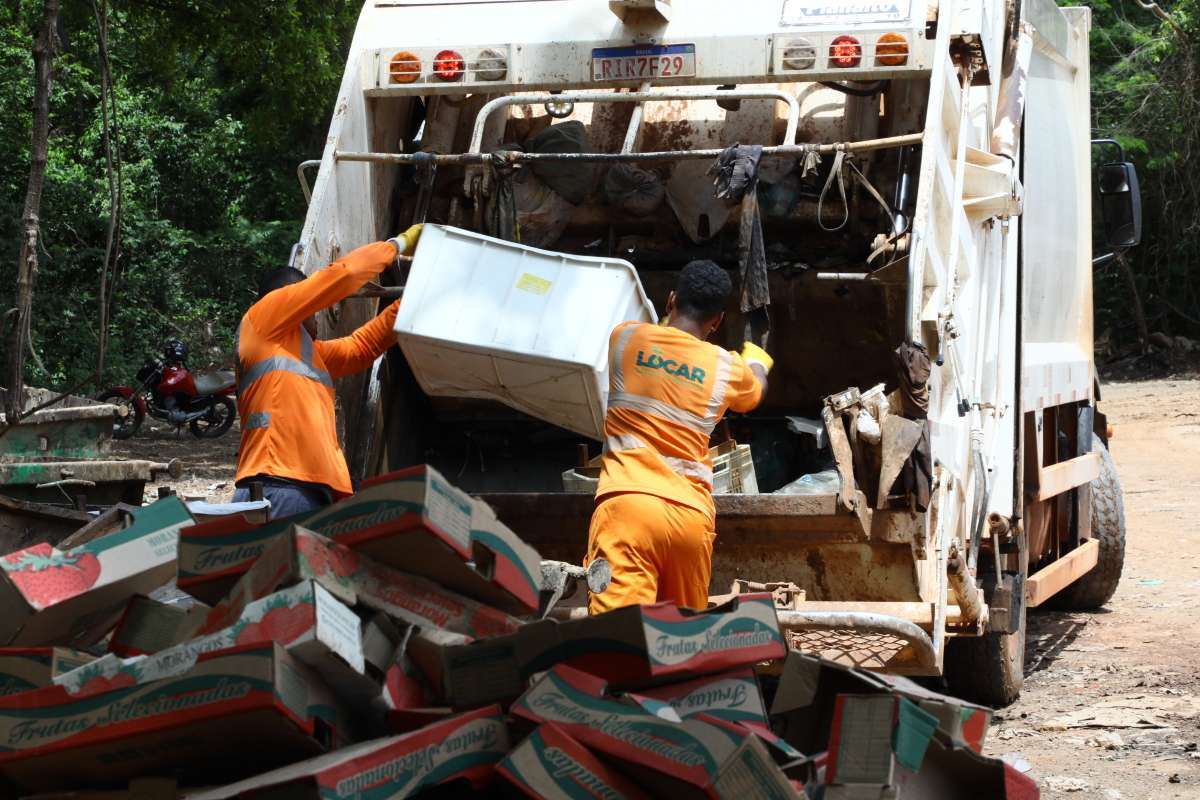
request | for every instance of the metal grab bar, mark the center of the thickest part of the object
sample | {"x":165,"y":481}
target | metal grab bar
{"x":789,"y":135}
{"x":303,"y":178}
{"x":517,"y":156}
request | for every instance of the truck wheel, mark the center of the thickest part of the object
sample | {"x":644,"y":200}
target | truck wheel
{"x":987,"y":669}
{"x":1108,"y":528}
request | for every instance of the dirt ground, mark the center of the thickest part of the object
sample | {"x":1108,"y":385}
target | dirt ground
{"x":1111,"y":707}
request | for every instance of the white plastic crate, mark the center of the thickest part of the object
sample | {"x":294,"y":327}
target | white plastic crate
{"x":733,"y":472}
{"x":486,"y":318}
{"x":733,"y":469}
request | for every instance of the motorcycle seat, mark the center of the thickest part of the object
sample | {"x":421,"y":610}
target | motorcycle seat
{"x":213,"y":382}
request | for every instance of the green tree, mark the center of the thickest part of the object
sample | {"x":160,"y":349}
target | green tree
{"x":1145,"y":95}
{"x":216,"y":103}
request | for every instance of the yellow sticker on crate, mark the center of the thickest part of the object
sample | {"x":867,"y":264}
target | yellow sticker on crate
{"x":533,"y":284}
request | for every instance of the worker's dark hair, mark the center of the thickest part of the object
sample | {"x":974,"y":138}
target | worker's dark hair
{"x":702,"y":290}
{"x":279,"y":278}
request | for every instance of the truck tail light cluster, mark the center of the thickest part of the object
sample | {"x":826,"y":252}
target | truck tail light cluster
{"x":845,"y":52}
{"x":448,"y":66}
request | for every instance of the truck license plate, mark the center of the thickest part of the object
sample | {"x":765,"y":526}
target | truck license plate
{"x":644,"y":63}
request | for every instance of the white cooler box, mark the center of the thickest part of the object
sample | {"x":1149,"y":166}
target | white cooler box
{"x":490,"y":319}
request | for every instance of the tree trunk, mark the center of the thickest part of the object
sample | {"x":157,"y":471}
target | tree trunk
{"x":27,"y":263}
{"x":1139,"y":315}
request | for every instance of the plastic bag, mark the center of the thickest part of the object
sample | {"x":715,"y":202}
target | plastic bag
{"x":542,"y":213}
{"x":824,"y":482}
{"x":571,"y":179}
{"x":634,"y":191}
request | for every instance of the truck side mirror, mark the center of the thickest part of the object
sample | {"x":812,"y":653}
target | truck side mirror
{"x":1120,"y":204}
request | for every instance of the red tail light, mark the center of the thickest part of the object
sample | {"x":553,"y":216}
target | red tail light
{"x":845,"y":51}
{"x":448,"y":65}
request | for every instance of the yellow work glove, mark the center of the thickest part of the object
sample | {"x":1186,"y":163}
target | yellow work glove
{"x":406,"y":242}
{"x":753,"y":354}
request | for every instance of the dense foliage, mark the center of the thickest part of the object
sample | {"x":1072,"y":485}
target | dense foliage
{"x":218,"y":101}
{"x":1145,"y":95}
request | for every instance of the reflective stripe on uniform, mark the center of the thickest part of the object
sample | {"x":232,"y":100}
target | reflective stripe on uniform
{"x":720,"y":386}
{"x":306,"y":346}
{"x":618,"y":355}
{"x":283,"y":364}
{"x":622,"y":441}
{"x":685,"y":468}
{"x":689,"y":469}
{"x":637,"y":402}
{"x":259,"y":419}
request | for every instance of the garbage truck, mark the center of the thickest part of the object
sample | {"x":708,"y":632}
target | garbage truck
{"x":916,"y":250}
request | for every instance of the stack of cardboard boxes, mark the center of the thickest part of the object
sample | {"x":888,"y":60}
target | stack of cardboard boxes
{"x":390,"y":645}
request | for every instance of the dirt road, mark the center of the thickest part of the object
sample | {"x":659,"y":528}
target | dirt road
{"x":1131,"y":669}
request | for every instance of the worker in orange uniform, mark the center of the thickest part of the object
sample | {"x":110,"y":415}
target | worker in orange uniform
{"x":668,"y":388}
{"x":285,"y":378}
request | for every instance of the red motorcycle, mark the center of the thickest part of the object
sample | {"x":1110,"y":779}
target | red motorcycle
{"x":169,"y":391}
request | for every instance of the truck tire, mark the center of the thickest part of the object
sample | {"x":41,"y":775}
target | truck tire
{"x":1096,"y":588}
{"x":988,"y":669}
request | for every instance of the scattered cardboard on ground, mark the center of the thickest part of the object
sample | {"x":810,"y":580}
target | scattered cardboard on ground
{"x":413,"y":520}
{"x":203,"y":724}
{"x":463,"y":748}
{"x":73,"y":597}
{"x":550,"y":764}
{"x":631,"y":647}
{"x":26,"y":668}
{"x":385,"y":646}
{"x":701,"y":756}
{"x":1135,"y":711}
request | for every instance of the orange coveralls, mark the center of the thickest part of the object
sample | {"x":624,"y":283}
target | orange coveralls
{"x":654,"y":519}
{"x":285,"y":379}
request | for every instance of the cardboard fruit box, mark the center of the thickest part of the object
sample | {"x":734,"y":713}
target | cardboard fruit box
{"x":26,"y":668}
{"x":631,"y":647}
{"x":808,"y":688}
{"x":550,"y":764}
{"x":148,"y":625}
{"x":200,"y":726}
{"x":307,"y":620}
{"x":299,"y":554}
{"x":884,"y":746}
{"x":733,"y":697}
{"x":414,"y":520}
{"x":73,"y":597}
{"x":465,"y":747}
{"x":698,"y":757}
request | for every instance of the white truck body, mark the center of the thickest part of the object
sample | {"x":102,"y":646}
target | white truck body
{"x":992,"y":274}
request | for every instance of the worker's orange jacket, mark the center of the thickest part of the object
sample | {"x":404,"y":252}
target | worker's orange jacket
{"x":285,"y":379}
{"x":667,"y":391}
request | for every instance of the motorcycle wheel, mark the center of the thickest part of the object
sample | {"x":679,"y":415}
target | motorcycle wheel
{"x":124,"y":427}
{"x":217,"y":421}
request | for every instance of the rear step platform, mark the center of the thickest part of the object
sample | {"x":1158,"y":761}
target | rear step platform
{"x":810,"y":539}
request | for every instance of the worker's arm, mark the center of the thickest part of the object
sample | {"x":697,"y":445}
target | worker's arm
{"x":356,"y":352}
{"x":748,"y":378}
{"x":283,"y":309}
